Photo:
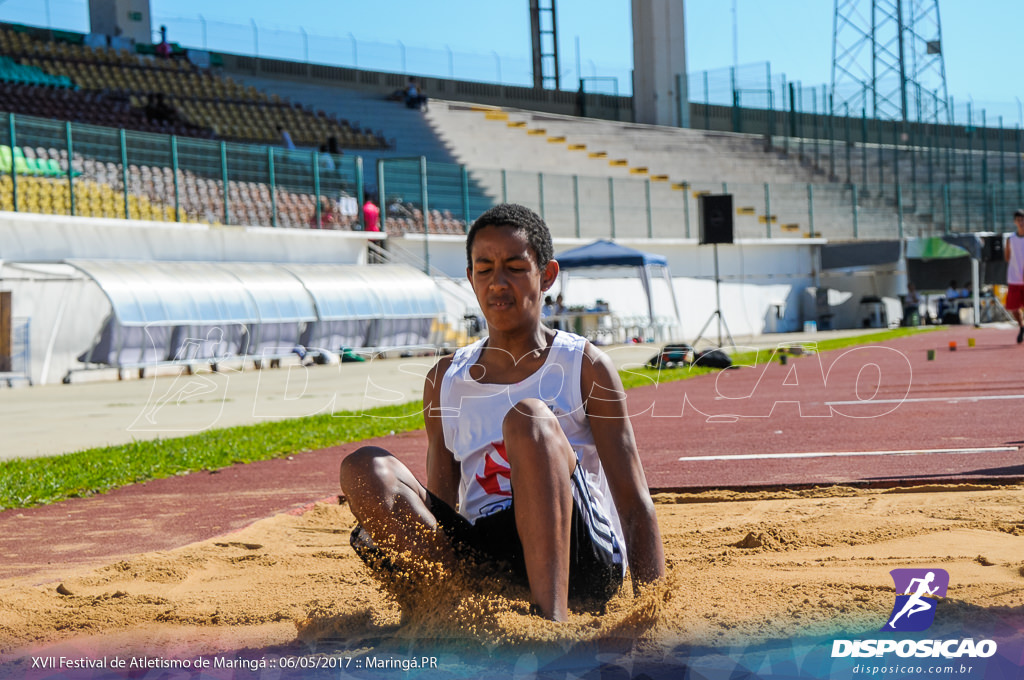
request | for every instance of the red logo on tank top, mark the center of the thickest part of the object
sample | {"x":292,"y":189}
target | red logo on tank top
{"x":495,"y":467}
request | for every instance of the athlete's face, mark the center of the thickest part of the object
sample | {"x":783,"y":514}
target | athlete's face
{"x":1019,"y":221}
{"x":506,"y":279}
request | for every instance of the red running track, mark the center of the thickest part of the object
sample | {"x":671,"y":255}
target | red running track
{"x":906,"y":419}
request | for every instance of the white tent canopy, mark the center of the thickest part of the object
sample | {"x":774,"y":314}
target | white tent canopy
{"x":184,"y":311}
{"x":607,"y":254}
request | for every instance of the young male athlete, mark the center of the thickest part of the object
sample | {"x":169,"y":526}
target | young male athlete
{"x":531,"y":459}
{"x":1013,"y":251}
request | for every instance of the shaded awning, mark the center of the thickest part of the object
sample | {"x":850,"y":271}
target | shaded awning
{"x":391,"y":291}
{"x":206,"y":293}
{"x":171,"y":293}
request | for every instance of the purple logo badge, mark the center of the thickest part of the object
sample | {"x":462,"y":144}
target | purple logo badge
{"x":917,"y":591}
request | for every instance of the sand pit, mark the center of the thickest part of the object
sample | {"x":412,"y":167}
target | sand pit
{"x":746,"y":571}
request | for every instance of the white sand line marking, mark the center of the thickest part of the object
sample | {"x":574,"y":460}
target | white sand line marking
{"x":924,"y":400}
{"x":842,"y":454}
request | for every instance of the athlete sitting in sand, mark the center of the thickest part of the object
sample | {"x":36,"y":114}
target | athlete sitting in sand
{"x":528,"y":438}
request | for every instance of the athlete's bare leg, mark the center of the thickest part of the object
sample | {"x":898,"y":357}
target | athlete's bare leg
{"x":542,"y":462}
{"x":392,"y":506}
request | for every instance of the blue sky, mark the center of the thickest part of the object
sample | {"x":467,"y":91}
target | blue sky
{"x":982,"y":43}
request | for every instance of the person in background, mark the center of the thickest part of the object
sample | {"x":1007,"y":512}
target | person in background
{"x":1013,"y":252}
{"x":286,"y":138}
{"x":911,"y":306}
{"x":414,"y":97}
{"x":549,"y":307}
{"x":371,"y":215}
{"x":163,"y":48}
{"x":328,"y":220}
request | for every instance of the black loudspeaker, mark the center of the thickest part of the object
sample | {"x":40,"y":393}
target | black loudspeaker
{"x":992,"y":250}
{"x":715,"y":212}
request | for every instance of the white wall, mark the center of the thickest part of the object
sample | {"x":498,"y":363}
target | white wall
{"x":759,"y":280}
{"x":49,"y":238}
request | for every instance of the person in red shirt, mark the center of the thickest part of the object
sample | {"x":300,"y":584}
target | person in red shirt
{"x":371,"y":215}
{"x":327,"y":217}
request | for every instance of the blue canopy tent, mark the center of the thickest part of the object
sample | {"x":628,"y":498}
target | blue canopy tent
{"x":604,"y":253}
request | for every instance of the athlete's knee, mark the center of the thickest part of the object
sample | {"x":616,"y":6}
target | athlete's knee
{"x":532,"y":434}
{"x":366,"y":467}
{"x":528,"y":416}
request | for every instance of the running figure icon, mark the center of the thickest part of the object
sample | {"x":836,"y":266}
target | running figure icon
{"x":916,"y":602}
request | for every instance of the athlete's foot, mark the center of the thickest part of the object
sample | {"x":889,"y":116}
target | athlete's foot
{"x":1020,"y":335}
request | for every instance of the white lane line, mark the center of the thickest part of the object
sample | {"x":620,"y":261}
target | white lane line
{"x":923,"y":400}
{"x":840,"y":454}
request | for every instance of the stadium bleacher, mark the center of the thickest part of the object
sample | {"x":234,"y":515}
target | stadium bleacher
{"x":204,"y":103}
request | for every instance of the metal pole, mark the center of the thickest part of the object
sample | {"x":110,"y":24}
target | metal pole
{"x":650,"y":218}
{"x":810,"y":208}
{"x":71,"y":170}
{"x":382,"y":199}
{"x":686,"y":208}
{"x":767,"y":210}
{"x":831,"y":138}
{"x":895,"y":154}
{"x":707,"y":104}
{"x":174,"y":169}
{"x":316,"y":188}
{"x":124,"y":171}
{"x":718,"y":297}
{"x":881,"y":158}
{"x":864,"y":144}
{"x":947,"y":208}
{"x":899,"y":207}
{"x":576,"y":201}
{"x":814,"y":130}
{"x":504,"y":186}
{"x":360,"y":193}
{"x":426,"y":215}
{"x":272,"y":179}
{"x":224,"y":180}
{"x":611,"y":203}
{"x":464,"y":175}
{"x":540,"y":192}
{"x":849,"y":145}
{"x":1020,"y":176}
{"x":14,"y":166}
{"x":856,"y":226}
{"x":679,"y":100}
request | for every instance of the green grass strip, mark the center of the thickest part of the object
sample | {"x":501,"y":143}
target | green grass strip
{"x":640,"y":376}
{"x":25,"y":482}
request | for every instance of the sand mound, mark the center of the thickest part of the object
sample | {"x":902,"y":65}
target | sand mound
{"x":743,"y":568}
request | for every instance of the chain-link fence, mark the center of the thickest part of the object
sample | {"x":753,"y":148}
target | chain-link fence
{"x":871,"y":187}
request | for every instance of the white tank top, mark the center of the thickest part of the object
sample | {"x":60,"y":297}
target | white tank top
{"x":472,"y":414}
{"x":1015,"y":267}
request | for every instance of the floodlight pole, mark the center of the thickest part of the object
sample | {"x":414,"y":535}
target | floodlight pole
{"x":718,"y":311}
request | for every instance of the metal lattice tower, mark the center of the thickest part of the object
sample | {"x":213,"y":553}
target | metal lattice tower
{"x":544,"y":32}
{"x":887,"y":59}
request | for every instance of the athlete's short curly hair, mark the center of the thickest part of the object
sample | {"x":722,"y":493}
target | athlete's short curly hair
{"x":519,"y":217}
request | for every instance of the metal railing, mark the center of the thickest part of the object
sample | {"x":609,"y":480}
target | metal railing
{"x":868,"y":190}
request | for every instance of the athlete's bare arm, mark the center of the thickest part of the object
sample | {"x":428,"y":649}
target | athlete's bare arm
{"x":605,"y":402}
{"x":442,"y":468}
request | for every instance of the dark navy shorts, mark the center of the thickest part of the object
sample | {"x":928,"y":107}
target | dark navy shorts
{"x":595,"y":566}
